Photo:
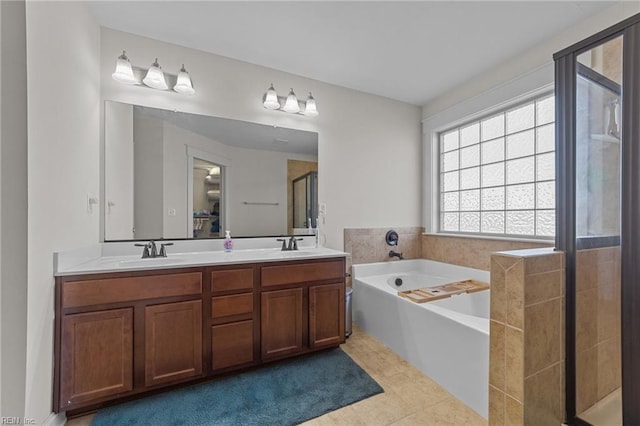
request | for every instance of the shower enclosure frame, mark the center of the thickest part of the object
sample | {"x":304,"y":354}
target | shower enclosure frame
{"x":565,"y":90}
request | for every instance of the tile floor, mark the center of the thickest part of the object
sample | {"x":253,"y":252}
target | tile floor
{"x":409,"y":398}
{"x":607,"y":412}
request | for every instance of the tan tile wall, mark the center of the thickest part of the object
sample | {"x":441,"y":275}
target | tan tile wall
{"x":598,"y":358}
{"x":368,"y":245}
{"x":470,"y":252}
{"x":526,"y":364}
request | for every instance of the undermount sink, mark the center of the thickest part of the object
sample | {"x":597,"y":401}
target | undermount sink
{"x":153,"y":261}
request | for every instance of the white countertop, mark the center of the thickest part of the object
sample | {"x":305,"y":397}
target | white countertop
{"x":124,"y":263}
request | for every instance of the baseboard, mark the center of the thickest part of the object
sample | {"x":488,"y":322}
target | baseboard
{"x":55,"y":420}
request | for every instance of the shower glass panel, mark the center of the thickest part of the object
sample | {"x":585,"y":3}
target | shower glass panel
{"x":597,"y":230}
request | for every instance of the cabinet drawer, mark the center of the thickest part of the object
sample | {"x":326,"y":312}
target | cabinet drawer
{"x":234,"y":279}
{"x":306,"y":272}
{"x":237,"y":304}
{"x":114,"y":290}
{"x":232,"y":344}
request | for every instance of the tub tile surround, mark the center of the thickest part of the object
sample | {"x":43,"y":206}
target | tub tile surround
{"x":598,"y":357}
{"x":472,"y":252}
{"x":526,"y":367}
{"x":367,"y":245}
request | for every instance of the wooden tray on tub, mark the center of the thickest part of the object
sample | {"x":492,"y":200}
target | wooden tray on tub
{"x":429,"y":294}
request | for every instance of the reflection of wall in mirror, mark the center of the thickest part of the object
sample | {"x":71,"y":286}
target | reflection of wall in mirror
{"x":119,"y":182}
{"x":252,"y":175}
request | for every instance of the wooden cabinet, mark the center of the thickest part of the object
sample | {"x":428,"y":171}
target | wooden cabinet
{"x":307,"y":313}
{"x":232,"y":344}
{"x":119,"y":335}
{"x":96,"y":355}
{"x":281,"y":322}
{"x":233,"y":325}
{"x":326,"y":315}
{"x":173,"y":342}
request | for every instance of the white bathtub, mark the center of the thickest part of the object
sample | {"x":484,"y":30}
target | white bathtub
{"x":448,"y":339}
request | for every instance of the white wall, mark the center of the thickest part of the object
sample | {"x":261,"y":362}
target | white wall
{"x":369,"y":147}
{"x":13,"y":206}
{"x":63,"y":77}
{"x":523,"y":76}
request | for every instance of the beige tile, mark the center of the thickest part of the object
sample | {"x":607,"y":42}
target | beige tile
{"x":543,"y":323}
{"x":496,"y":407}
{"x":544,"y":263}
{"x":586,"y":319}
{"x":543,"y":392}
{"x":498,"y":295}
{"x":381,"y":409}
{"x":513,"y":412}
{"x":606,"y":273}
{"x":541,"y":287}
{"x":586,"y":379}
{"x":514,"y":367}
{"x":81,"y":421}
{"x":609,"y":367}
{"x":496,"y":354}
{"x":505,"y":261}
{"x":514,"y":281}
{"x":608,"y":312}
{"x":450,"y":412}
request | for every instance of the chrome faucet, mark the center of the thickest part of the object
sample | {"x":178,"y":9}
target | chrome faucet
{"x":393,"y":254}
{"x":292,"y":245}
{"x":151,"y":251}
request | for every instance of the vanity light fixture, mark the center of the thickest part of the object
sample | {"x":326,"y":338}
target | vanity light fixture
{"x":124,"y":72}
{"x":183,"y":84}
{"x":310,"y":107}
{"x":154,"y":77}
{"x":270,"y":99}
{"x":290,"y":104}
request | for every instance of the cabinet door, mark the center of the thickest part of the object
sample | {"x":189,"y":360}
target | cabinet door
{"x":96,"y":355}
{"x":282,"y":323}
{"x":173,"y":342}
{"x":232,"y":344}
{"x":326,"y":315}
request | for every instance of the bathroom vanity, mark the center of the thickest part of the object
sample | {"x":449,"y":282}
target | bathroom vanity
{"x":124,"y":333}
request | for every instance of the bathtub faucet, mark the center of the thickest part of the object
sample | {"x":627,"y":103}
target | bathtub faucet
{"x":393,"y":254}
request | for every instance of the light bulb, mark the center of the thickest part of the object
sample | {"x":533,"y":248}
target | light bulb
{"x":311,"y":109}
{"x":124,"y":72}
{"x":292,"y":103}
{"x":183,"y":84}
{"x":155,"y":77}
{"x":270,"y":99}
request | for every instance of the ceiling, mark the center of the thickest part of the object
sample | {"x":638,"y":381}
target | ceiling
{"x":409,"y":51}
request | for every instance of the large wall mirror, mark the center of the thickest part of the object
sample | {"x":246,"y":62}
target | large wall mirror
{"x":178,"y":175}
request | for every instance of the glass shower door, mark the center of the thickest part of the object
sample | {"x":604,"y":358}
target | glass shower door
{"x":598,"y":379}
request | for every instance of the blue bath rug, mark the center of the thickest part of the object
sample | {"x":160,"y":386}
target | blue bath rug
{"x":286,"y":393}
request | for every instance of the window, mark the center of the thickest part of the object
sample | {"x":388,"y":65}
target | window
{"x":497,"y":174}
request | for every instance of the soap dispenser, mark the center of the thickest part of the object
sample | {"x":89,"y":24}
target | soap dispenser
{"x":228,"y":242}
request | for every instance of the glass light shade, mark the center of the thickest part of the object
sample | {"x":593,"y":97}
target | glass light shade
{"x":292,"y":103}
{"x":214,"y":171}
{"x":270,"y":99}
{"x":311,"y":110}
{"x":155,"y":77}
{"x":183,"y":84}
{"x":124,"y":72}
